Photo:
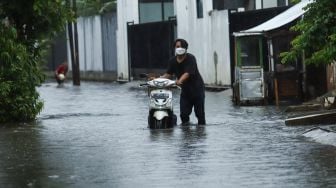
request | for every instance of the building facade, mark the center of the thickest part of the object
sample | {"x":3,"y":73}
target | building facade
{"x":204,"y":24}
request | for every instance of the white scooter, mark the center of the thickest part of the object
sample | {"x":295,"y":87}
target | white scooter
{"x":161,"y":114}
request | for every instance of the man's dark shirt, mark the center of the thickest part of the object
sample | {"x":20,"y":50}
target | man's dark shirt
{"x":194,"y":85}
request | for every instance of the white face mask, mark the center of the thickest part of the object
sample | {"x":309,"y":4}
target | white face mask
{"x":180,"y":51}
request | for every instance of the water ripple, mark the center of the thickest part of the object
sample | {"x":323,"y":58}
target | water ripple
{"x":69,"y":115}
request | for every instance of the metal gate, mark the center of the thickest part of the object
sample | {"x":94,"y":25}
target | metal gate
{"x":150,"y":46}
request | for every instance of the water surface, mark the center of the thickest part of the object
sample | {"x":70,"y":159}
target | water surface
{"x":96,"y":135}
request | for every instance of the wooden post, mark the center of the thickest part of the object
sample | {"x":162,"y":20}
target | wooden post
{"x":276,"y":92}
{"x":73,"y":42}
{"x":75,"y":65}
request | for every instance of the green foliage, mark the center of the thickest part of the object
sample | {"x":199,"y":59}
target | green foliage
{"x":18,"y":77}
{"x":94,"y":7}
{"x":24,"y":28}
{"x":317,"y":34}
{"x":35,"y":19}
{"x":295,"y":1}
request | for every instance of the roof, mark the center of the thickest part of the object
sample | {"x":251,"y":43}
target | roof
{"x":280,"y":20}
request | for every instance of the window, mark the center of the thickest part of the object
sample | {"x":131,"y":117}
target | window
{"x":230,"y":4}
{"x":261,"y":4}
{"x":168,"y":10}
{"x":199,"y":7}
{"x":269,"y":3}
{"x":281,"y":3}
{"x":155,"y":10}
{"x":250,"y":51}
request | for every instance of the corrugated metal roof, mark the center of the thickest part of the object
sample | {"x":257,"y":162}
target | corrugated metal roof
{"x":280,"y":20}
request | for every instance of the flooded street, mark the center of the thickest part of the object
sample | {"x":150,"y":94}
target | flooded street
{"x":96,"y":135}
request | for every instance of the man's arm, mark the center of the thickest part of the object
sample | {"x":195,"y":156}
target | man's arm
{"x":183,"y":78}
{"x":166,"y":75}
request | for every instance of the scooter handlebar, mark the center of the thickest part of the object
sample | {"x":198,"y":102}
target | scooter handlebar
{"x":150,"y":84}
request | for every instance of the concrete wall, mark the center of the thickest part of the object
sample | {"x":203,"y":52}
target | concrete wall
{"x":109,"y":37}
{"x":90,"y":43}
{"x":97,"y":51}
{"x":127,"y":11}
{"x":208,"y":39}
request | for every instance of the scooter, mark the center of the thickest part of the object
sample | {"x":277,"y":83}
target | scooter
{"x":60,"y":78}
{"x":161,"y":114}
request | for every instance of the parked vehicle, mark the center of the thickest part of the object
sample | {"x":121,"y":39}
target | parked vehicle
{"x":161,"y":114}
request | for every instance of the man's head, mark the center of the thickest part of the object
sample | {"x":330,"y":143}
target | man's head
{"x":181,"y":46}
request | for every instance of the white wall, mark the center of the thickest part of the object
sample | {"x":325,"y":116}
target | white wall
{"x":127,"y":11}
{"x":96,"y":43}
{"x":206,"y":36}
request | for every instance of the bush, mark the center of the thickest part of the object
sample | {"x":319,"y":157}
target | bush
{"x":19,"y":76}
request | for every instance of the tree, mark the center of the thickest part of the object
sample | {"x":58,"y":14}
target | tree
{"x":94,"y":7}
{"x":24,"y":27}
{"x":316,"y":34}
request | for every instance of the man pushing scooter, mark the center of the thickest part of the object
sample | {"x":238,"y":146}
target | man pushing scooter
{"x":183,"y":65}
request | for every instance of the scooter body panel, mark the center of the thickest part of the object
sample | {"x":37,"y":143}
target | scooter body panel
{"x":161,"y":115}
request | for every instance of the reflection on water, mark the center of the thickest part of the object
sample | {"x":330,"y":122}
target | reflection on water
{"x":96,"y":135}
{"x":75,"y":115}
{"x":161,"y":134}
{"x":192,"y":150}
{"x":21,"y":163}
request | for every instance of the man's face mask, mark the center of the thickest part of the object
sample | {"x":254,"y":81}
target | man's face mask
{"x":180,"y":51}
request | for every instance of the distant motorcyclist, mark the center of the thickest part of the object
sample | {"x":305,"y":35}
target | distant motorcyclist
{"x":60,"y":72}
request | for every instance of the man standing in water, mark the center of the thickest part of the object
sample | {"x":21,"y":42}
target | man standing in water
{"x":183,"y":65}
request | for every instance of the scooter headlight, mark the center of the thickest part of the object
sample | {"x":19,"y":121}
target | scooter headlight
{"x":160,"y":104}
{"x":161,"y":100}
{"x":161,"y":83}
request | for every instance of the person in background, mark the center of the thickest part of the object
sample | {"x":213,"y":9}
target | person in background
{"x":60,"y":72}
{"x":183,"y":65}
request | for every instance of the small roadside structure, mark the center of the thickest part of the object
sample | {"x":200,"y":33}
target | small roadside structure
{"x":259,"y":75}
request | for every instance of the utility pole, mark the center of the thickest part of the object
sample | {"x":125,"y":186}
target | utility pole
{"x":73,"y":42}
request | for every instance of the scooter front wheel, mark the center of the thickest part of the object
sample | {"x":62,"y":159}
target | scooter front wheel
{"x":165,"y":123}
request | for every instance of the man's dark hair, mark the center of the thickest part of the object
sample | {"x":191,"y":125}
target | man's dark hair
{"x":184,"y":43}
